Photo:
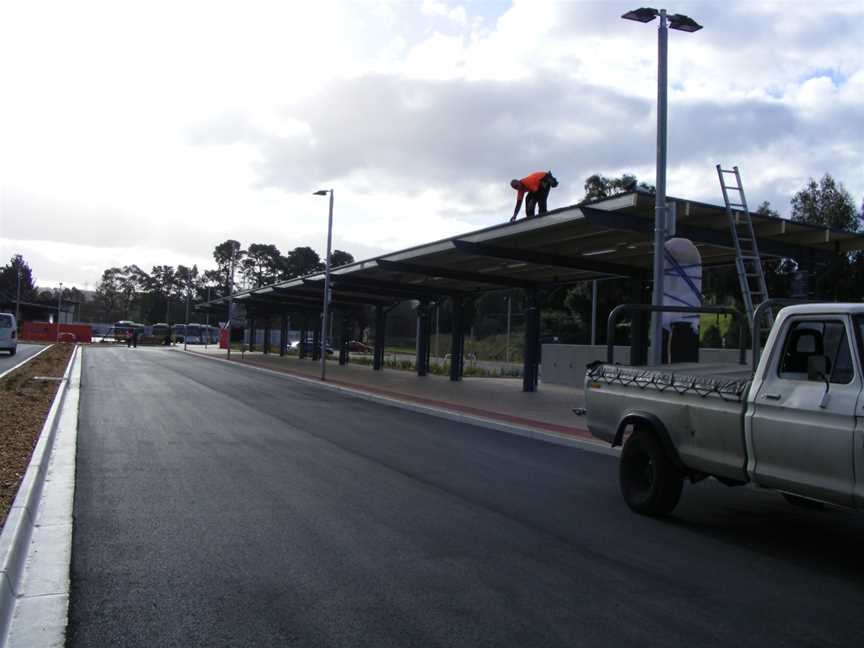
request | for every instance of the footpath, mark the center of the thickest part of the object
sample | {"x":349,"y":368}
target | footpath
{"x":497,"y":403}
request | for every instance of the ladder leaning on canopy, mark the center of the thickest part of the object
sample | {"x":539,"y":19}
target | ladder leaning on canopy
{"x":751,"y":275}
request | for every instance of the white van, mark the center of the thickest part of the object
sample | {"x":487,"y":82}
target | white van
{"x":8,"y":333}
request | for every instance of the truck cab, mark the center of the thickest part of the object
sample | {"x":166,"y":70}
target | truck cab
{"x":805,"y":420}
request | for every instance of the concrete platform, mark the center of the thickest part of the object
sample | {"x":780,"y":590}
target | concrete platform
{"x":501,"y":399}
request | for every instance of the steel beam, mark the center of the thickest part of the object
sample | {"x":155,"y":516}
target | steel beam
{"x":720,"y":238}
{"x":459,"y":275}
{"x":390,"y":288}
{"x":544,"y":258}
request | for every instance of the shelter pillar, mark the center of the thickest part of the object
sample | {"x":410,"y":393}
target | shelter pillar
{"x":267,"y":328}
{"x":638,"y":323}
{"x":304,"y":331}
{"x":345,"y":339}
{"x":380,"y":338}
{"x":251,"y":333}
{"x":530,"y":367}
{"x":422,"y":358}
{"x":316,"y":343}
{"x":283,"y":334}
{"x":457,"y":339}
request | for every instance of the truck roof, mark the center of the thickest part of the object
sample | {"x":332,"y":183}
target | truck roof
{"x":824,"y":307}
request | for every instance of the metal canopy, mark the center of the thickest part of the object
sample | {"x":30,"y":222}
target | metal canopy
{"x":604,"y":238}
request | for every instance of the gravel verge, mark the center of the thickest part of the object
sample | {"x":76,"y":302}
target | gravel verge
{"x":25,"y":399}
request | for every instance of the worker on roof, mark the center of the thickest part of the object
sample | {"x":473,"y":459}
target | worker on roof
{"x":537,"y":186}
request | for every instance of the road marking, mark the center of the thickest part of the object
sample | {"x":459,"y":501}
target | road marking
{"x":25,"y":360}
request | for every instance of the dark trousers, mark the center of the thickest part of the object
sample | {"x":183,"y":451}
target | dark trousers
{"x":534,"y":198}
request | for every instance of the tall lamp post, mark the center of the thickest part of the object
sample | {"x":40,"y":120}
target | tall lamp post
{"x":230,"y":304}
{"x":324,"y":192}
{"x":681,"y":23}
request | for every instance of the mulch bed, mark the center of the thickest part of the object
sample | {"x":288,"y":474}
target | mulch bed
{"x":24,"y":405}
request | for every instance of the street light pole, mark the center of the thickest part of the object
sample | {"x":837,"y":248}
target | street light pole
{"x":681,"y":23}
{"x":326,"y":313}
{"x":660,"y":196}
{"x":230,"y":304}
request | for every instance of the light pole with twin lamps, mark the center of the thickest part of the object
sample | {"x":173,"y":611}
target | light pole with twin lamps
{"x":324,"y":192}
{"x":681,"y":23}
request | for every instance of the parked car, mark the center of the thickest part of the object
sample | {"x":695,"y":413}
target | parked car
{"x":359,"y":347}
{"x":8,"y":333}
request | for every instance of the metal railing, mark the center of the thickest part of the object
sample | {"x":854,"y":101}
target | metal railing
{"x":616,"y":313}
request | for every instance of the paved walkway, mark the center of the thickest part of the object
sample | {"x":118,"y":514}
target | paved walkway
{"x":548,"y":409}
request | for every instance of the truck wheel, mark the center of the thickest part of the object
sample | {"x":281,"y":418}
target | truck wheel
{"x":650,"y":482}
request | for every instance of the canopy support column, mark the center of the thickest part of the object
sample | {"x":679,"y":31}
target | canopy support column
{"x":316,"y":342}
{"x":530,"y":367}
{"x":423,"y":329}
{"x":344,"y":341}
{"x":283,"y":335}
{"x":638,"y":323}
{"x":267,"y":329}
{"x":304,"y":332}
{"x":457,"y":338}
{"x":380,"y":337}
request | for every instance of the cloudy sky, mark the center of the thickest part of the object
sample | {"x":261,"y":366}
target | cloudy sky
{"x":148,"y":132}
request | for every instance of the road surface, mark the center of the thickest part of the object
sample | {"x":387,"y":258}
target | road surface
{"x":220,"y":506}
{"x":23,"y":352}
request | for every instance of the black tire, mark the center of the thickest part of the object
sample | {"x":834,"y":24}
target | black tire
{"x":12,"y":352}
{"x":650,"y":481}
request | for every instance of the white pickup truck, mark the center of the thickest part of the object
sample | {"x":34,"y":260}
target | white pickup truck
{"x":795,"y":424}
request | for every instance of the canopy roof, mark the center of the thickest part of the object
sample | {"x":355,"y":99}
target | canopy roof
{"x":604,"y":238}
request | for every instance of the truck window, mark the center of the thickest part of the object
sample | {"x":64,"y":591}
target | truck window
{"x":809,"y":338}
{"x":5,"y":321}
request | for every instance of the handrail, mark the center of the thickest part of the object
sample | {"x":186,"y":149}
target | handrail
{"x":622,"y":308}
{"x":759,"y":313}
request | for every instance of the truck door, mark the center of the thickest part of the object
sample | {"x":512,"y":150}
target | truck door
{"x":802,"y":438}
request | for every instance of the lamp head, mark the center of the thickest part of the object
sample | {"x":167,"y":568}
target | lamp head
{"x":643,"y":15}
{"x":321,"y":192}
{"x":683,"y":23}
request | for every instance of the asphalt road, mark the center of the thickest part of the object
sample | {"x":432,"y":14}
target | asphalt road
{"x":219,"y":506}
{"x":23,"y":352}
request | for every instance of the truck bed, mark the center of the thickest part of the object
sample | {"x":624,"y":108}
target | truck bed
{"x":702,"y":406}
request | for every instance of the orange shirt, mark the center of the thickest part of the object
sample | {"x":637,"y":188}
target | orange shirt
{"x":532,"y":182}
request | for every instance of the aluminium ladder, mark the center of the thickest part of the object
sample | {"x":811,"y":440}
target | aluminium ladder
{"x":751,"y":275}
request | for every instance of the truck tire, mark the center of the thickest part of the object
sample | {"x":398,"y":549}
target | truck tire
{"x":650,"y":482}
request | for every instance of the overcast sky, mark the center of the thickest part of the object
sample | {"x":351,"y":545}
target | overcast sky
{"x":149,"y":132}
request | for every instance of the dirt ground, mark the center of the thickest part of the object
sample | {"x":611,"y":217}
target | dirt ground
{"x":24,"y":404}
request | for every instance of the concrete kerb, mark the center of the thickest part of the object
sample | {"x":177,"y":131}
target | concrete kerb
{"x":18,"y":530}
{"x":452,"y":415}
{"x":25,"y":360}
